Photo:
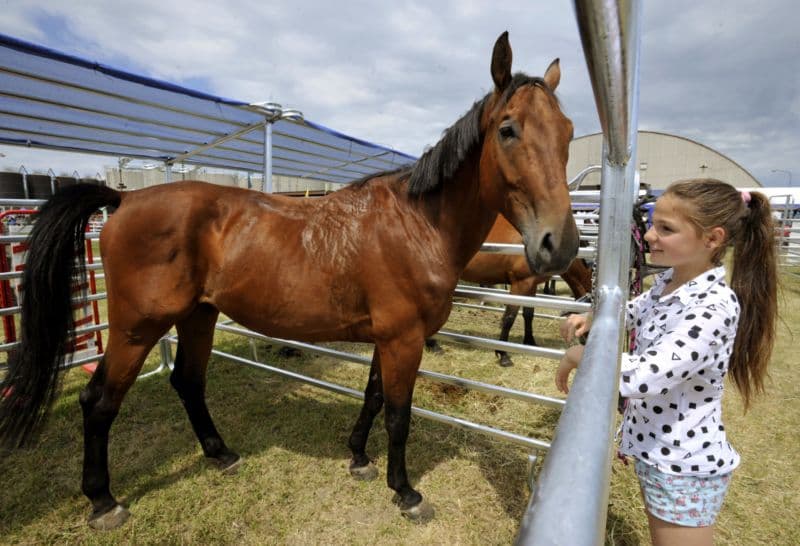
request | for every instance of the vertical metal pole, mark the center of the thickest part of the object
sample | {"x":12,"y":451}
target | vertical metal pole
{"x":532,"y":459}
{"x":24,"y":173}
{"x":165,"y":348}
{"x":266,"y":184}
{"x":785,"y":222}
{"x":570,"y":502}
{"x":168,"y":172}
{"x":52,"y":175}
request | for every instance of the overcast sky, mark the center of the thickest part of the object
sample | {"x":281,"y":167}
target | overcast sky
{"x":723,"y":72}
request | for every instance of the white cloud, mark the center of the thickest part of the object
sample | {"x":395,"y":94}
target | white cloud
{"x":398,"y":73}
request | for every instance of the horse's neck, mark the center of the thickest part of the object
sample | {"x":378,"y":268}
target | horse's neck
{"x":461,"y":217}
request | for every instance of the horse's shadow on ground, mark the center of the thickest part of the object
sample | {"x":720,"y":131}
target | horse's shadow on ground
{"x":254,"y":413}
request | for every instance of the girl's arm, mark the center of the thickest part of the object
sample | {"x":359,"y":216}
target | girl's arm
{"x":575,"y":326}
{"x":568,"y":363}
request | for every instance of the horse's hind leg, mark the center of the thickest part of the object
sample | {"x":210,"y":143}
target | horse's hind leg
{"x":188,"y":378}
{"x":100,"y":401}
{"x":360,"y":465}
{"x":432,"y":346}
{"x":519,"y":287}
{"x":506,"y":323}
{"x":527,"y":316}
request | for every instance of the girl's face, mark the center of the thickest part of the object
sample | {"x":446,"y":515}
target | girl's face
{"x":675,"y":242}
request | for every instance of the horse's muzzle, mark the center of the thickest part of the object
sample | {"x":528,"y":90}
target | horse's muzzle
{"x":550,"y":251}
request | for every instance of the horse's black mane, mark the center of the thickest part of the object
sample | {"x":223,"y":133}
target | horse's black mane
{"x":361,"y":182}
{"x":440,"y":163}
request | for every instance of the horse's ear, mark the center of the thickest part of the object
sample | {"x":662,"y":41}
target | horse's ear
{"x":501,"y":62}
{"x":552,"y":75}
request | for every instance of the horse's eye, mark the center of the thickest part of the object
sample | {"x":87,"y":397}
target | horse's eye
{"x":507,"y":130}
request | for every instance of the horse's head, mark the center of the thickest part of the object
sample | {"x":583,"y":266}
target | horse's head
{"x":523,"y":166}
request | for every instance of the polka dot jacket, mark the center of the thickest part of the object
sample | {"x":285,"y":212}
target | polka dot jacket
{"x":674,"y":378}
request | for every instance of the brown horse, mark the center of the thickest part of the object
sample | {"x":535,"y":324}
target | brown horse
{"x":488,"y":269}
{"x":375,"y":262}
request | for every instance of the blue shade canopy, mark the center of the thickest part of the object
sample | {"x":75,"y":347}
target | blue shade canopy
{"x":56,"y":101}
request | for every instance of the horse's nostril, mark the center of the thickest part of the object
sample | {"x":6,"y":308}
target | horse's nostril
{"x":547,"y":242}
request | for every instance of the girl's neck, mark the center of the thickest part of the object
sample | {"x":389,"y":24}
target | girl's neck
{"x":682,"y":275}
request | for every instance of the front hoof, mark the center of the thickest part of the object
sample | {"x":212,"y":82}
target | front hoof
{"x":228,"y":463}
{"x":110,"y":520}
{"x":505,"y":361}
{"x":364,"y":473}
{"x":232,"y":468}
{"x":422,"y":512}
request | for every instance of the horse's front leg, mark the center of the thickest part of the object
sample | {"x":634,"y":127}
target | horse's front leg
{"x":360,"y":465}
{"x":399,"y":361}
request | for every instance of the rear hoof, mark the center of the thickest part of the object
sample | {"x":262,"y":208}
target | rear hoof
{"x":110,"y":520}
{"x":422,"y":512}
{"x":364,"y":473}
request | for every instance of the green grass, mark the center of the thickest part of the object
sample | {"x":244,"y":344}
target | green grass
{"x":294,"y":487}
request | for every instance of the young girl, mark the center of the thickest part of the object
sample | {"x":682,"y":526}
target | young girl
{"x":691,"y":330}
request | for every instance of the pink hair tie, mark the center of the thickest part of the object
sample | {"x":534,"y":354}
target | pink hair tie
{"x":746,"y":197}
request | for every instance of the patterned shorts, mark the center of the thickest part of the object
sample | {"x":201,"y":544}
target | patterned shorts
{"x":683,"y":500}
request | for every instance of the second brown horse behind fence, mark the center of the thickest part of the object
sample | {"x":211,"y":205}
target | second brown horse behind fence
{"x":489,"y":269}
{"x":375,"y":262}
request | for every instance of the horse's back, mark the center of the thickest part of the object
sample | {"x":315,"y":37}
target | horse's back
{"x":152,"y":224}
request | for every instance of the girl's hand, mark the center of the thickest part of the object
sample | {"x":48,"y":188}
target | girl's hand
{"x":568,"y":363}
{"x":575,"y":326}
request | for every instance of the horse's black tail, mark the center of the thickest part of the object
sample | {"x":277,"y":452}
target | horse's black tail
{"x":55,"y":244}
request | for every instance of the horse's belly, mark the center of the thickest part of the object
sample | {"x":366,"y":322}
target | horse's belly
{"x":305,"y":315}
{"x":305,"y":328}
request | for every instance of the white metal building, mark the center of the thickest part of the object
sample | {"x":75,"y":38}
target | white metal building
{"x":662,"y":159}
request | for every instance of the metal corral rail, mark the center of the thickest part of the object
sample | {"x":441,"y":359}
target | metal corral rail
{"x":787,"y":228}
